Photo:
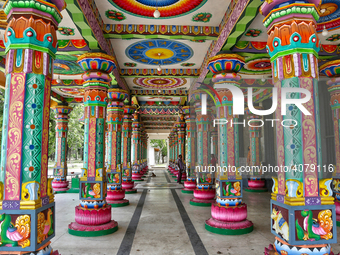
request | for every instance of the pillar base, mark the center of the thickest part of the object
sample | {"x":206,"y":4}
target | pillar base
{"x":45,"y":249}
{"x":77,"y":229}
{"x":200,"y":202}
{"x":60,"y":186}
{"x":282,"y":248}
{"x":188,"y":185}
{"x":229,"y":228}
{"x":338,"y":220}
{"x":115,"y":198}
{"x":127,"y":185}
{"x":256,"y":189}
{"x":136,"y":177}
{"x":130,"y":191}
{"x":187,"y":191}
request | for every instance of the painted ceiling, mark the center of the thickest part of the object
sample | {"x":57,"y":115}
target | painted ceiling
{"x":181,"y":41}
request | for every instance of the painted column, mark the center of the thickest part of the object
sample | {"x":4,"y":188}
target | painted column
{"x":229,"y":213}
{"x":214,"y":136}
{"x":115,"y":114}
{"x":136,"y":125}
{"x":127,"y":184}
{"x":190,"y":122}
{"x":255,"y":182}
{"x":93,"y":215}
{"x":205,"y":192}
{"x":175,"y":150}
{"x":293,"y":46}
{"x":25,"y":191}
{"x":180,"y":125}
{"x":60,"y":184}
{"x":331,"y":70}
{"x":170,"y":167}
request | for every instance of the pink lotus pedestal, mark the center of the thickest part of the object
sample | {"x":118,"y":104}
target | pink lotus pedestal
{"x":189,"y":187}
{"x":92,"y":222}
{"x":60,"y":186}
{"x":184,"y":176}
{"x":229,"y":220}
{"x":137,"y":177}
{"x":256,"y":186}
{"x":337,"y":210}
{"x":128,"y":186}
{"x":115,"y":198}
{"x":203,"y":197}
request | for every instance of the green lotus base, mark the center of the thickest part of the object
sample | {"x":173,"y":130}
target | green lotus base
{"x":73,"y":190}
{"x":231,"y":232}
{"x":338,"y":223}
{"x":139,"y":180}
{"x":92,"y":233}
{"x":200,"y":204}
{"x":256,"y":190}
{"x":187,"y":191}
{"x":59,"y":192}
{"x":130,"y":192}
{"x":121,"y":204}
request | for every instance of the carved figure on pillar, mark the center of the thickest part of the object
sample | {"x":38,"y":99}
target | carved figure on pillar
{"x":229,"y":213}
{"x":93,"y":215}
{"x":115,"y":113}
{"x":298,"y":191}
{"x":60,"y":184}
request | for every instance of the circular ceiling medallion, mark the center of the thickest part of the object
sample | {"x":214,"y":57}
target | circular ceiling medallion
{"x":159,"y":52}
{"x":258,"y":65}
{"x":160,"y":83}
{"x":329,"y":15}
{"x":167,"y":8}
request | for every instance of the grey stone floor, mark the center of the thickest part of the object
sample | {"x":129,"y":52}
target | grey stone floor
{"x":161,"y":230}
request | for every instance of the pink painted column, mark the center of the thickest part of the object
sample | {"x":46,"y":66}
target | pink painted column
{"x":60,"y":184}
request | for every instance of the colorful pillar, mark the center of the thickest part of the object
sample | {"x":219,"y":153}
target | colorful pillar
{"x":136,"y":125}
{"x":229,"y":213}
{"x":115,"y":114}
{"x":174,"y":171}
{"x":26,"y":193}
{"x":204,"y":193}
{"x":302,"y":206}
{"x":60,"y":184}
{"x":93,"y":215}
{"x":190,"y":122}
{"x":127,"y":184}
{"x":330,"y":69}
{"x":170,"y":139}
{"x":255,"y":182}
{"x":214,"y":136}
{"x":180,"y":125}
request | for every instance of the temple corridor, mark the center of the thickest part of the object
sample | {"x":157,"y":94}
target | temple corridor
{"x":161,"y":228}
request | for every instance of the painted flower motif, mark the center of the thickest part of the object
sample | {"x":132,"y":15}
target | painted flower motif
{"x":188,"y":64}
{"x":31,"y":127}
{"x":333,"y":38}
{"x":115,"y":15}
{"x":198,"y":41}
{"x":66,"y":31}
{"x":253,"y":32}
{"x":129,"y":64}
{"x":202,"y":17}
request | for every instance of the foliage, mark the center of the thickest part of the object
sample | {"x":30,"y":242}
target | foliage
{"x":75,"y":136}
{"x":52,"y":133}
{"x":162,"y":145}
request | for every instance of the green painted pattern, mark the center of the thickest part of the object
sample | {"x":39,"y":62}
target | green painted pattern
{"x":82,"y":24}
{"x":224,"y":231}
{"x":243,"y":24}
{"x":93,"y":233}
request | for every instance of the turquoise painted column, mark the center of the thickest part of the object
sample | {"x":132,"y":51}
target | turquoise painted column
{"x":229,"y":213}
{"x":298,"y":190}
{"x":93,"y":180}
{"x":60,"y":184}
{"x":127,"y":184}
{"x":26,"y":192}
{"x":205,"y":192}
{"x":136,"y":126}
{"x":190,"y":122}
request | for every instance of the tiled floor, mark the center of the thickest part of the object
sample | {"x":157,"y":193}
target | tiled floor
{"x":161,"y":229}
